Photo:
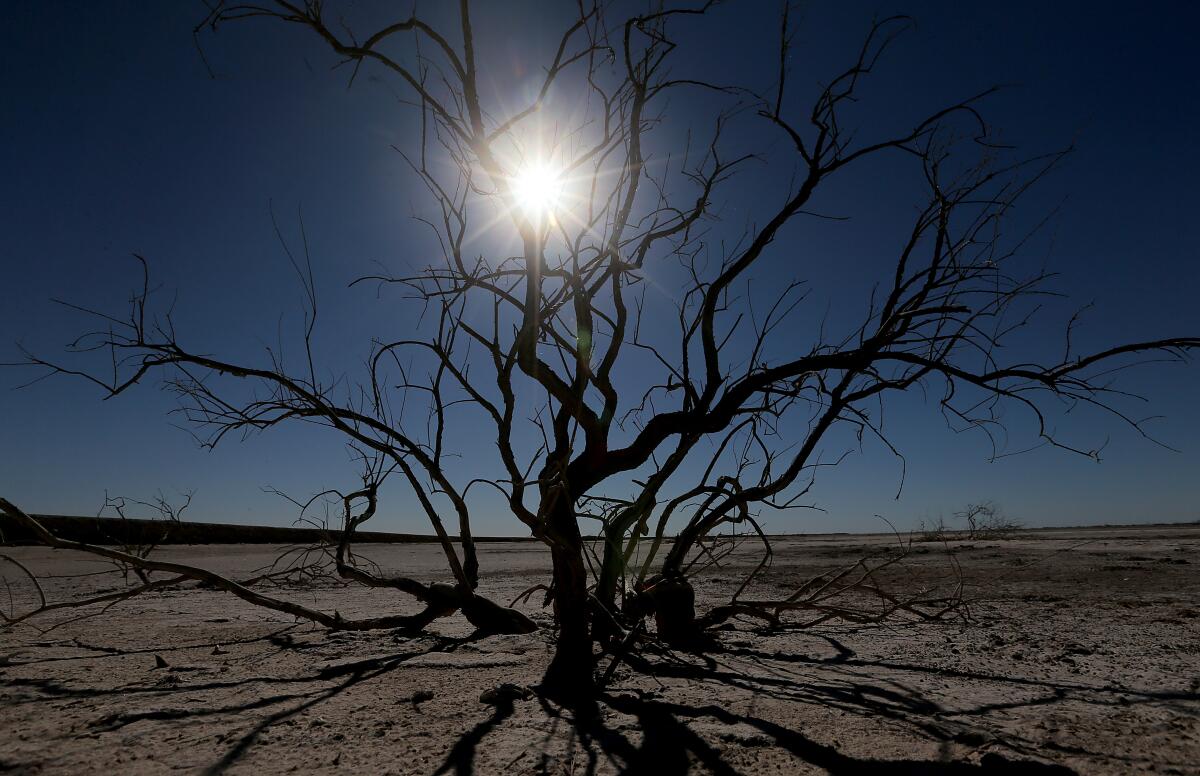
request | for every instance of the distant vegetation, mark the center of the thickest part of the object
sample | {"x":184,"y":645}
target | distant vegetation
{"x":136,"y":532}
{"x":985,"y":520}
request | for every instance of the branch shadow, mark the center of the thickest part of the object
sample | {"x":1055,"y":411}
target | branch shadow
{"x":637,"y":731}
{"x":354,"y":672}
{"x":297,"y":693}
{"x":664,"y":725}
{"x":97,"y":651}
{"x":668,"y":745}
{"x":461,"y":758}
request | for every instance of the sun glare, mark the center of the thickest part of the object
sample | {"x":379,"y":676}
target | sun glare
{"x":537,"y":188}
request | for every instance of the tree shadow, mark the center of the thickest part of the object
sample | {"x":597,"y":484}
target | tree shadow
{"x":669,"y":745}
{"x":636,"y":731}
{"x":664,"y":725}
{"x":355,"y":672}
{"x":99,"y":651}
{"x":461,"y":759}
{"x":345,"y":674}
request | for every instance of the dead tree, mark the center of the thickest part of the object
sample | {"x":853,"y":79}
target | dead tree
{"x":698,"y":414}
{"x":141,"y":546}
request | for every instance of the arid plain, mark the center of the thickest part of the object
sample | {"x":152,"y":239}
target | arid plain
{"x":1081,"y":653}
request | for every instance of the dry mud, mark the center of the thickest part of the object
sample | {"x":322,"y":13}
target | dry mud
{"x":1082,"y":655}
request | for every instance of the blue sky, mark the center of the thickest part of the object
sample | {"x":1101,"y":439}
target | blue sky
{"x":116,"y":140}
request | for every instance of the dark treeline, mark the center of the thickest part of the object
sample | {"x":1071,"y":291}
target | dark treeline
{"x":117,"y":531}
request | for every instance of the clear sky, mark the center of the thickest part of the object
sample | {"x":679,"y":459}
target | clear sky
{"x":115,"y":139}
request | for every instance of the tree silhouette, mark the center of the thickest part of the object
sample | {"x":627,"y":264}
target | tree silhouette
{"x":643,"y":417}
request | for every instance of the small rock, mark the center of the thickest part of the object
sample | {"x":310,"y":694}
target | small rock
{"x":505,"y":693}
{"x":420,"y":696}
{"x":217,"y":650}
{"x":160,"y":663}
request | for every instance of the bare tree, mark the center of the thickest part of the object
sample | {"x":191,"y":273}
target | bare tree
{"x":702,"y":415}
{"x":986,"y":520}
{"x":980,"y":520}
{"x":142,"y":543}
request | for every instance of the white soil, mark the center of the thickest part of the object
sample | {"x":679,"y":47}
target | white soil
{"x":1082,"y":655}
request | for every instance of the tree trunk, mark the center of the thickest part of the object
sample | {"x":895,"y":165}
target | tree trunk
{"x":611,"y":569}
{"x":672,"y":601}
{"x":570,"y":678}
{"x":673,"y":564}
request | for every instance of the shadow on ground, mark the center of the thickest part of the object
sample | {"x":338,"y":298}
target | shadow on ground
{"x":668,"y":744}
{"x":633,"y":730}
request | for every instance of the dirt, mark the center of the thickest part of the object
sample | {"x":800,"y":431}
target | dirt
{"x":1081,"y":654}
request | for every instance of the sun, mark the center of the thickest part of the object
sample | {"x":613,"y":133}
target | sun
{"x":537,"y":188}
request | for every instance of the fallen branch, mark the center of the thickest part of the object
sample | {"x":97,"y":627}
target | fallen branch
{"x":441,"y":600}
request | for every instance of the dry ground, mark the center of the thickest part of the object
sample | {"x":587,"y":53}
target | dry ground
{"x":1083,"y":655}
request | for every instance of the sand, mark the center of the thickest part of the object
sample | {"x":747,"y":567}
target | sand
{"x":1082,"y":655}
